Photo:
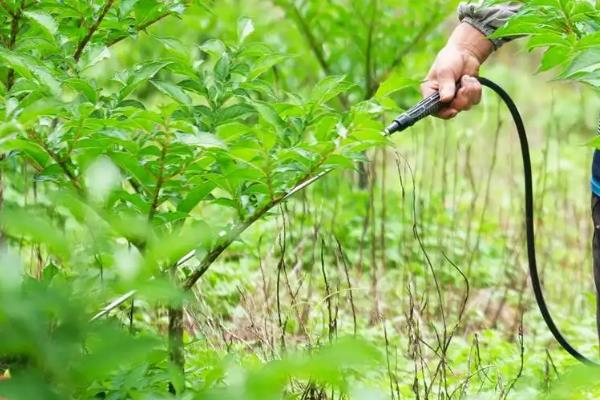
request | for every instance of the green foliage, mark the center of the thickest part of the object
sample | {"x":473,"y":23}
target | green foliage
{"x":115,"y":166}
{"x":208,"y":133}
{"x":568,"y":29}
{"x":139,"y":139}
{"x":54,"y":352}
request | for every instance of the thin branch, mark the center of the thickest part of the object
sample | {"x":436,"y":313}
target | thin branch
{"x":113,"y":304}
{"x":159,"y":183}
{"x":505,"y":394}
{"x":310,"y":38}
{"x":14,"y":31}
{"x":92,"y":30}
{"x":425,"y":29}
{"x":343,"y":257}
{"x":315,"y":47}
{"x":237,"y":230}
{"x":369,"y":52}
{"x":1,"y":197}
{"x":139,"y":28}
{"x":9,"y":10}
{"x":62,"y":163}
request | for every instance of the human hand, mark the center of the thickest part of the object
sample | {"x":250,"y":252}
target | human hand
{"x":459,"y":61}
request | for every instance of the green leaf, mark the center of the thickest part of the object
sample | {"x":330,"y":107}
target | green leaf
{"x":21,"y":223}
{"x":328,"y":88}
{"x":526,"y":25}
{"x":83,"y":87}
{"x":9,"y":129}
{"x":264,"y":64}
{"x":173,"y":91}
{"x":554,"y":57}
{"x":93,"y":55}
{"x":245,"y":27}
{"x":16,"y":62}
{"x":584,"y":62}
{"x":193,"y":86}
{"x":268,"y":113}
{"x":234,"y":112}
{"x":548,"y":39}
{"x":46,"y":79}
{"x":131,"y":165}
{"x":393,"y":83}
{"x":29,"y":148}
{"x":222,"y":67}
{"x":44,"y":20}
{"x":141,"y":74}
{"x":338,"y":160}
{"x":126,"y":6}
{"x":214,"y":47}
{"x":195,"y":196}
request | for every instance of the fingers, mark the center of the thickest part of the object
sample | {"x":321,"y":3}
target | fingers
{"x":447,"y":113}
{"x":468,"y":95}
{"x":428,"y":88}
{"x":447,"y":85}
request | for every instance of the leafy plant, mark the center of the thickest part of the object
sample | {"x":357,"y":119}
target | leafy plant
{"x":105,"y":181}
{"x":568,"y":29}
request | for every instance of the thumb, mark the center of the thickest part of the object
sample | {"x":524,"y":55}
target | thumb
{"x":447,"y":85}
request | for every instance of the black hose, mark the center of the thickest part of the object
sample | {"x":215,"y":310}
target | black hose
{"x":529,"y":223}
{"x":432,"y":105}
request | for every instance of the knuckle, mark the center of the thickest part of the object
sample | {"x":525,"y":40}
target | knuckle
{"x":461,"y":104}
{"x":445,"y":71}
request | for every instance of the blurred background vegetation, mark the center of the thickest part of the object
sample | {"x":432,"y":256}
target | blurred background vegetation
{"x":400,"y":275}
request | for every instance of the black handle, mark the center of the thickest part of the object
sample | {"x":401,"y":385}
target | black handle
{"x":426,"y":107}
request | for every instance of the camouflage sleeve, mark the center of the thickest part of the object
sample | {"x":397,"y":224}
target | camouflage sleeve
{"x":488,"y":18}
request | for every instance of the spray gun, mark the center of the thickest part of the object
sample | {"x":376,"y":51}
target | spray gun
{"x":428,"y":106}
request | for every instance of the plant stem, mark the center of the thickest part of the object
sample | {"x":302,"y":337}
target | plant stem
{"x":9,"y":10}
{"x":86,"y":39}
{"x":139,"y":28}
{"x":14,"y":31}
{"x":237,"y":230}
{"x":176,"y":353}
{"x":368,"y":54}
{"x":1,"y":198}
{"x":315,"y":47}
{"x":144,"y":25}
{"x":62,"y":162}
{"x":310,"y":38}
{"x":406,"y":50}
{"x":159,"y":183}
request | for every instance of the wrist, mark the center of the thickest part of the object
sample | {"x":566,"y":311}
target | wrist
{"x":468,"y":39}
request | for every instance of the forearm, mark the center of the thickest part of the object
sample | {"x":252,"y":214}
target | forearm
{"x":477,"y":23}
{"x":467,"y":48}
{"x":468,"y":38}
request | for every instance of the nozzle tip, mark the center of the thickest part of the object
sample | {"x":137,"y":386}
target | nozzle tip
{"x":392,"y":128}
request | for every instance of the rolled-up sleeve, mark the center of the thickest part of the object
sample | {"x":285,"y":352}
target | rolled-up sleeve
{"x":487,"y":19}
